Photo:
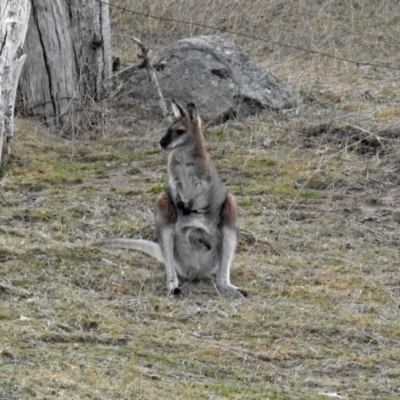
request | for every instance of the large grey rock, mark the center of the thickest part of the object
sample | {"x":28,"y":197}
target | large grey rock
{"x":216,"y":75}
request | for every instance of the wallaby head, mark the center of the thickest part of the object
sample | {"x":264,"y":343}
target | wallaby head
{"x":186,"y":130}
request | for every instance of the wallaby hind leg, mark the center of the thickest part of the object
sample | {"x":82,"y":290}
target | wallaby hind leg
{"x":165,"y":217}
{"x":229,"y":232}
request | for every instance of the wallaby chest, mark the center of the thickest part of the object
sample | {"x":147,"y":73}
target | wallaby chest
{"x":187,"y":174}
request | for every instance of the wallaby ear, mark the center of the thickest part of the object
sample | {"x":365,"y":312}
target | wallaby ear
{"x":178,"y":110}
{"x":192,"y":111}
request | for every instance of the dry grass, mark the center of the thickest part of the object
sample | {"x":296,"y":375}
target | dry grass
{"x":320,"y":213}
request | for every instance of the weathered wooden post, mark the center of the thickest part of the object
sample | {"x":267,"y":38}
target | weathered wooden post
{"x":68,"y":59}
{"x":14,"y":17}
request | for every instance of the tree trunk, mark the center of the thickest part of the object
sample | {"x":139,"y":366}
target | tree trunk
{"x":68,"y":59}
{"x":14,"y":16}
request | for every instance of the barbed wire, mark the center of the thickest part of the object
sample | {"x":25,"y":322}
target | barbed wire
{"x":245,"y":35}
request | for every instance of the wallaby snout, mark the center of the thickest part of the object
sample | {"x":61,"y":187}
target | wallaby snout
{"x":164,"y":142}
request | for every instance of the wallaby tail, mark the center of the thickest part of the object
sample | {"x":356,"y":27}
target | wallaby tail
{"x":145,"y":246}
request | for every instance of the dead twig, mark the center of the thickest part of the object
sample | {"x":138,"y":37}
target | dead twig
{"x":153,"y":77}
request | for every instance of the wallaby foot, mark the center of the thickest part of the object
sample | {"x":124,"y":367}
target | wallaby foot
{"x":177,"y":292}
{"x":233,"y":289}
{"x":173,"y":287}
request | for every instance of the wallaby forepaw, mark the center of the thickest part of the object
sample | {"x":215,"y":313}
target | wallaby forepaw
{"x":186,"y":211}
{"x":243,"y":292}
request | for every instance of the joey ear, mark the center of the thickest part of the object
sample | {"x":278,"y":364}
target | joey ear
{"x":178,"y":110}
{"x":192,"y":110}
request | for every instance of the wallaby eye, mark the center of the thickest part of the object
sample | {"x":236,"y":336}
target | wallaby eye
{"x":180,"y":131}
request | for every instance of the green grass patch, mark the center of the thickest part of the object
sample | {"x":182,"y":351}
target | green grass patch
{"x":247,"y":202}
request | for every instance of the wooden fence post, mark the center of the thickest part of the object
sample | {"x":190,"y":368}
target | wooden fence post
{"x":68,"y":65}
{"x":14,"y":17}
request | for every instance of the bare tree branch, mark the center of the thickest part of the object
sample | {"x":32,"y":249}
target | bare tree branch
{"x":153,"y":77}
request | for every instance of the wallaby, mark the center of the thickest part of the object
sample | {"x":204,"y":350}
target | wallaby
{"x":195,"y":218}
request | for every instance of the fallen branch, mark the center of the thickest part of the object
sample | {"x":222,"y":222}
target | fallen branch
{"x":153,"y":77}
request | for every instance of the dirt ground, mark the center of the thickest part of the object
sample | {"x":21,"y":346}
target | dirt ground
{"x":319,"y":199}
